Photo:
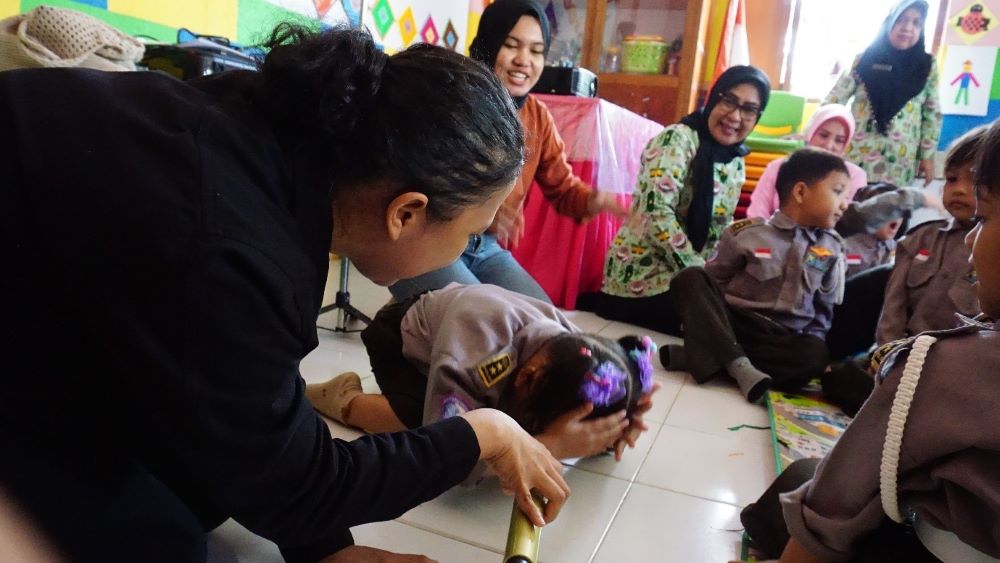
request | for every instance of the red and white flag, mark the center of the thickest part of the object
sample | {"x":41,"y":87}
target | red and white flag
{"x":734,"y":46}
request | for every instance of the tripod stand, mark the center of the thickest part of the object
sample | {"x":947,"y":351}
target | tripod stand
{"x":342,"y":301}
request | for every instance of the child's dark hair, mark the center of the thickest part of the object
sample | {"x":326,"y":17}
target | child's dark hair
{"x":964,"y":150}
{"x":806,"y":165}
{"x":425,"y":119}
{"x":987,"y":164}
{"x":586,"y":367}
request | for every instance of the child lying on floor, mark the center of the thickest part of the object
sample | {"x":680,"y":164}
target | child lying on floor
{"x":466,"y":347}
{"x":918,"y":470}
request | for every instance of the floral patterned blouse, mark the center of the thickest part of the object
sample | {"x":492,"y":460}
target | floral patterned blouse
{"x":652,"y":246}
{"x":913,"y":134}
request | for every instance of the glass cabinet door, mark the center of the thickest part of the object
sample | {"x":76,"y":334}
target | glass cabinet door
{"x":642,"y":36}
{"x":568,"y":22}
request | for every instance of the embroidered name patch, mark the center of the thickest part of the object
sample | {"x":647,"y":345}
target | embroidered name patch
{"x":923,"y":256}
{"x":494,"y":369}
{"x":738,"y":226}
{"x":819,"y":258}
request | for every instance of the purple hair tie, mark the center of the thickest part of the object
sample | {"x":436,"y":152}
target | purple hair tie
{"x":604,"y":385}
{"x":643,"y":359}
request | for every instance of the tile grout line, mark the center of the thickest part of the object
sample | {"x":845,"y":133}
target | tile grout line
{"x":628,"y":489}
{"x":447,"y":536}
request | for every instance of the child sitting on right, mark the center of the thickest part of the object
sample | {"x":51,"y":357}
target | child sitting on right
{"x":932,"y":278}
{"x":760,"y":308}
{"x":460,"y":348}
{"x":916,"y":476}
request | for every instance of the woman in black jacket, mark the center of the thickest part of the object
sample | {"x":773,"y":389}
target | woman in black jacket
{"x":167,"y":247}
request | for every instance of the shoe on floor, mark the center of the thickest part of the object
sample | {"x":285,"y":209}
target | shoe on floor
{"x":332,"y":398}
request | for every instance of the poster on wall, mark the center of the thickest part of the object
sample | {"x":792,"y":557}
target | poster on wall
{"x":974,"y":23}
{"x":966,"y":80}
{"x":397,"y":24}
{"x":330,"y":12}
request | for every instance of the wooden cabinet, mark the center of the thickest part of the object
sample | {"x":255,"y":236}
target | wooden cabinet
{"x":664,"y":98}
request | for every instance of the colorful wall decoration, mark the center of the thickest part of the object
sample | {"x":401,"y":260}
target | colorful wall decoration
{"x":970,"y":79}
{"x":395,"y":24}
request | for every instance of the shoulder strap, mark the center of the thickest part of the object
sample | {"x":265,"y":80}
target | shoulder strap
{"x":889,"y":470}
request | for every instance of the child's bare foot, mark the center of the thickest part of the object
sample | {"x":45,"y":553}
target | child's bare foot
{"x":333,"y":398}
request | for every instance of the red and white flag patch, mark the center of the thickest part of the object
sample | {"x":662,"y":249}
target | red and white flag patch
{"x":762,"y":253}
{"x":924,"y":255}
{"x":853,"y":259}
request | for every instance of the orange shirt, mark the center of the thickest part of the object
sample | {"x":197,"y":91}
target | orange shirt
{"x":545,"y":162}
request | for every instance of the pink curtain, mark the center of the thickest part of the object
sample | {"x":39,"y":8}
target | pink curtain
{"x":603,"y":145}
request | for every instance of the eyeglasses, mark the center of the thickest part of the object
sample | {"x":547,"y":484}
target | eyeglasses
{"x":729,"y":103}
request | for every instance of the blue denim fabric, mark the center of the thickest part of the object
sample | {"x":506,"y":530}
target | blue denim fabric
{"x":484,"y":261}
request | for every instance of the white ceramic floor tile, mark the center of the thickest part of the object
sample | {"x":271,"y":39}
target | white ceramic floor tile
{"x":664,"y":399}
{"x":587,"y":321}
{"x":714,"y":407}
{"x":232,"y":543}
{"x":325,"y":363}
{"x":617,"y":330}
{"x":481,"y":517}
{"x":402,"y":538}
{"x":632,"y":459}
{"x":344,"y":342}
{"x":657,"y":526}
{"x":734,"y":469}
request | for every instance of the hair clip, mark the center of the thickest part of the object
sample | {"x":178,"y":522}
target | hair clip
{"x":643,"y":359}
{"x":604,"y":385}
{"x":584,"y":351}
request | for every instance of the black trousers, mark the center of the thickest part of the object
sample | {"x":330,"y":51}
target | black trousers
{"x":716,"y":333}
{"x":855,"y":320}
{"x":652,"y":313}
{"x":96,"y":506}
{"x":401,"y":383}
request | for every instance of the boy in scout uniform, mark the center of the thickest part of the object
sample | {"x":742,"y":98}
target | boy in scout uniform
{"x":932,"y":278}
{"x":760,"y":308}
{"x":923,"y":452}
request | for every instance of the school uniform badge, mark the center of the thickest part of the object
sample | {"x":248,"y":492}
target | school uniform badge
{"x":495,"y":369}
{"x":742,"y":224}
{"x":819,"y":258}
{"x":453,"y":405}
{"x":853,"y":259}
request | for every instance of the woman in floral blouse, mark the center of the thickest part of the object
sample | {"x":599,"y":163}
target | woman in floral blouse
{"x":688,"y":186}
{"x":894,"y":85}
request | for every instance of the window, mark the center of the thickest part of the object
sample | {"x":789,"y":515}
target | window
{"x":824,"y":37}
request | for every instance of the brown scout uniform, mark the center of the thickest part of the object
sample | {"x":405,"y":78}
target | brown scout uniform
{"x":949,"y":467}
{"x":931,"y":281}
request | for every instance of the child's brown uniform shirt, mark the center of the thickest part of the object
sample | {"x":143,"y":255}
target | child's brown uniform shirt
{"x":949,"y":466}
{"x":469,"y":341}
{"x":931,"y":281}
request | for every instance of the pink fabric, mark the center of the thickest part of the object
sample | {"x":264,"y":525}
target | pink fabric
{"x":764,"y":199}
{"x":603,"y":144}
{"x":825,"y":113}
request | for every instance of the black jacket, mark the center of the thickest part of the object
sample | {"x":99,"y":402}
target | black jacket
{"x":165,"y":259}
